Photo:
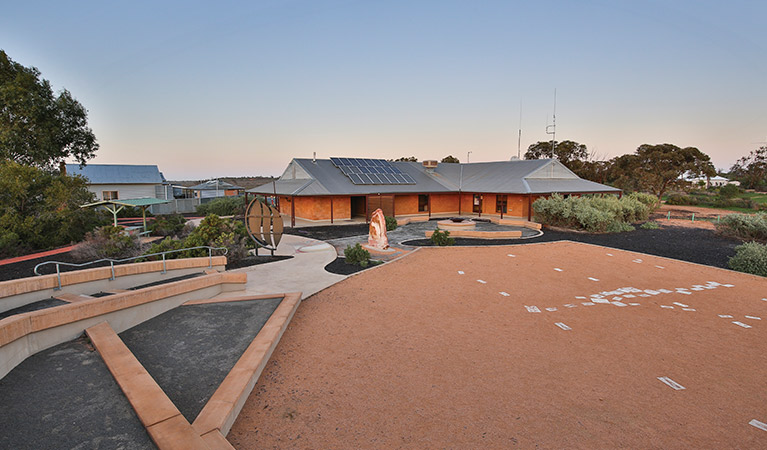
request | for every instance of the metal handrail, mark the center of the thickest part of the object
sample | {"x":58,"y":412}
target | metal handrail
{"x":113,"y":261}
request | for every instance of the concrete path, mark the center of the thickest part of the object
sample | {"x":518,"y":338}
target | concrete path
{"x":304,"y":272}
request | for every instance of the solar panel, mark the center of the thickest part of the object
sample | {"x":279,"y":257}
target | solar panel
{"x":364,"y":171}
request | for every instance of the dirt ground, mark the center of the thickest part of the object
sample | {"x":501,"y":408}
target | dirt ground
{"x":415,"y":354}
{"x":681,"y":216}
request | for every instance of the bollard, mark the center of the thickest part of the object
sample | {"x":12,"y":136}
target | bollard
{"x":669,"y":216}
{"x":717,"y":219}
{"x":693,"y":217}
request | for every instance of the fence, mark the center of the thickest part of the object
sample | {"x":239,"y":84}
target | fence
{"x":176,"y":206}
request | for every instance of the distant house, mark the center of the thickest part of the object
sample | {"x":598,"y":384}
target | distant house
{"x":717,"y":181}
{"x":215,"y":188}
{"x":349,"y":188}
{"x":123,"y":181}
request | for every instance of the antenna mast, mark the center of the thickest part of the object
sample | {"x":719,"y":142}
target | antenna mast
{"x":519,"y":138}
{"x":553,"y":126}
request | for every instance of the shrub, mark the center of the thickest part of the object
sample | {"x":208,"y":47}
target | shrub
{"x":167,"y":225}
{"x":619,"y":227}
{"x":442,"y":238}
{"x":213,"y":231}
{"x":751,"y":258}
{"x":223,"y":206}
{"x":40,"y":209}
{"x":391,"y":223}
{"x":107,"y":242}
{"x":650,"y":226}
{"x":357,"y":255}
{"x":597,"y":213}
{"x":646,"y":199}
{"x":166,"y":245}
{"x":682,"y":200}
{"x":729,"y":191}
{"x":744,"y":226}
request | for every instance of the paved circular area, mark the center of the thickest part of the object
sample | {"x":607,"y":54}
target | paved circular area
{"x":551,"y":345}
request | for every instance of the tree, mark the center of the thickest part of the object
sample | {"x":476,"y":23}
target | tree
{"x":751,"y":170}
{"x":37,"y":127}
{"x":41,"y":209}
{"x":407,"y":159}
{"x":450,"y":159}
{"x":656,"y":168}
{"x":566,"y":152}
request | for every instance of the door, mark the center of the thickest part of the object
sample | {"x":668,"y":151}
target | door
{"x":358,"y":206}
{"x":385,"y":202}
{"x":477,"y":204}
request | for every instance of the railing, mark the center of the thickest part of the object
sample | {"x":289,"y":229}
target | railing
{"x":113,"y":261}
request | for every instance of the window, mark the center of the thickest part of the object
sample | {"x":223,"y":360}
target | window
{"x":423,"y":203}
{"x":109,"y":195}
{"x":500,"y":204}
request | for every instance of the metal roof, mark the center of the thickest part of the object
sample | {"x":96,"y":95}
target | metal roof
{"x":214,"y":185}
{"x":118,"y":173}
{"x":305,"y":177}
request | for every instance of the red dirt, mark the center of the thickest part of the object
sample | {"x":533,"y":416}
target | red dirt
{"x":412,"y":354}
{"x":37,"y":255}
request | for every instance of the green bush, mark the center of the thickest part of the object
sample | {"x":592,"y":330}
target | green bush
{"x":650,"y":226}
{"x":744,"y":226}
{"x":442,"y":238}
{"x":751,"y":258}
{"x":619,"y":227}
{"x":729,"y":191}
{"x":646,"y":199}
{"x":167,"y":225}
{"x":40,"y":209}
{"x":213,"y":231}
{"x":107,"y":242}
{"x":682,"y":200}
{"x":223,"y":206}
{"x":391,"y":223}
{"x":357,"y":255}
{"x":166,"y":245}
{"x":598,"y":213}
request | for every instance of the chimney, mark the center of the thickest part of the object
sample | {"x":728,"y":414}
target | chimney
{"x":430,"y":165}
{"x":314,"y":157}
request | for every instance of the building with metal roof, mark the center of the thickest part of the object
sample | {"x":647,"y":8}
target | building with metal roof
{"x":123,"y":181}
{"x":215,"y":188}
{"x":346,"y":188}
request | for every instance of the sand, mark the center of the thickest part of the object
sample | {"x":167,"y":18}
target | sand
{"x":415,"y":355}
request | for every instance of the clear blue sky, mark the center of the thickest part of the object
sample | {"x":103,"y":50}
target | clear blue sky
{"x":206,"y":89}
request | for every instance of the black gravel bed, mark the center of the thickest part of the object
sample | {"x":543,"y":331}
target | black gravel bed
{"x":254,"y":260}
{"x":65,"y":397}
{"x":687,"y":244}
{"x":339,"y":266}
{"x":25,"y":269}
{"x":34,"y":306}
{"x":190,"y":349}
{"x":323,"y":233}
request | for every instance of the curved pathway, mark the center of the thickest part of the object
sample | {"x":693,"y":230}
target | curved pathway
{"x":304,"y":272}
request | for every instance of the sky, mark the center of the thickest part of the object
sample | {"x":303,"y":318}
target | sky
{"x":227,"y":88}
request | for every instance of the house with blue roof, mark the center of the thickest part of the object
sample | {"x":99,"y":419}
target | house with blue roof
{"x":123,"y":181}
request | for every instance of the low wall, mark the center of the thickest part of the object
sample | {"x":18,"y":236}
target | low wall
{"x":25,"y":334}
{"x":481,"y":234}
{"x":16,"y":293}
